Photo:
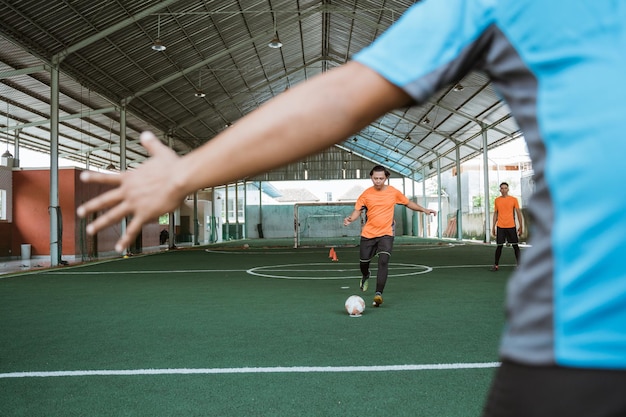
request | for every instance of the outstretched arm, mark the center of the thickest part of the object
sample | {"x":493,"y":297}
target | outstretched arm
{"x":302,"y":121}
{"x":352,"y":217}
{"x":416,"y":207}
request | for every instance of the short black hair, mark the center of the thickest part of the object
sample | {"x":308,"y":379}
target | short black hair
{"x":379,"y":168}
{"x":504,"y":183}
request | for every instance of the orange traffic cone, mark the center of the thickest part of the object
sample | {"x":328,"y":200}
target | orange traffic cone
{"x":331,"y":253}
{"x":334,"y":258}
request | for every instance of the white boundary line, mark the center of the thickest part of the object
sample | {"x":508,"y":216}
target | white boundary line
{"x":414,"y":269}
{"x":252,"y":370}
{"x":279,"y":268}
{"x":468,"y":266}
{"x":280,"y":251}
{"x":146,"y":271}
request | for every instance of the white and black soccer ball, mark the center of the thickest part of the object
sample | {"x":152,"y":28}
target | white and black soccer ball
{"x":355,"y":305}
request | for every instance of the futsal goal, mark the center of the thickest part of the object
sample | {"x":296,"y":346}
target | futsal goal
{"x":321,"y":224}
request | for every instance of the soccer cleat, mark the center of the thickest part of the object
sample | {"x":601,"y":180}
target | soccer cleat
{"x":494,"y":268}
{"x":364,"y":284}
{"x":378,"y":299}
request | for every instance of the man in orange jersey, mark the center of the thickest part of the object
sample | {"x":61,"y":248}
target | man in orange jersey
{"x":505,"y":209}
{"x":378,"y":203}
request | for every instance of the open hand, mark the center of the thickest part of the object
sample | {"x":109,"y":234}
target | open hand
{"x":144,"y":193}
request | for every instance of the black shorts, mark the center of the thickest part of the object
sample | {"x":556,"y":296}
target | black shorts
{"x":368,"y":248}
{"x":554,"y":391}
{"x":508,"y":234}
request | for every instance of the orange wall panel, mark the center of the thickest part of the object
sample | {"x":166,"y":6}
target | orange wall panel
{"x":31,"y":220}
{"x":31,"y":217}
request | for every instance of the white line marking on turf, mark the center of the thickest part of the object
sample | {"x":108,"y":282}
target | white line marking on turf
{"x":252,"y":251}
{"x":272,"y":271}
{"x":260,"y":271}
{"x":145,"y":271}
{"x":350,"y":248}
{"x":251,"y":370}
{"x":467,"y":266}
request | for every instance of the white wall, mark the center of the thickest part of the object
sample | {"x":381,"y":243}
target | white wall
{"x":6,"y":184}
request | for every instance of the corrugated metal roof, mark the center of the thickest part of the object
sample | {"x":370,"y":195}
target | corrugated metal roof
{"x":219,"y":48}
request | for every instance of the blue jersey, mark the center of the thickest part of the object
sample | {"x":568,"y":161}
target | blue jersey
{"x":560,"y":66}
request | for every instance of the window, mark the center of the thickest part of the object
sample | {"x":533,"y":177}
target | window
{"x":231,"y":210}
{"x":3,"y":204}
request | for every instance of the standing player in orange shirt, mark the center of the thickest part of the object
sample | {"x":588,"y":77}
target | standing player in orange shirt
{"x":505,"y":209}
{"x":378,"y":203}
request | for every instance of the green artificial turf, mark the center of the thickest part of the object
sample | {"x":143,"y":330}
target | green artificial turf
{"x":204,"y":310}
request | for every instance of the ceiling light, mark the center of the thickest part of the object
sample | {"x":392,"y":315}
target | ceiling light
{"x":199,"y":92}
{"x":110,"y":167}
{"x":6,"y":153}
{"x":158,"y":45}
{"x":275,"y":43}
{"x":458,"y":87}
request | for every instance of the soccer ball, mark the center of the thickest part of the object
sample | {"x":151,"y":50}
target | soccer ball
{"x":355,"y":305}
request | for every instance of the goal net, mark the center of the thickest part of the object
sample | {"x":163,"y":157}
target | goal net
{"x":321,"y":224}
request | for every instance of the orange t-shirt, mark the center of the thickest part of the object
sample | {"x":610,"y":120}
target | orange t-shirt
{"x":505,"y":206}
{"x":379,"y":206}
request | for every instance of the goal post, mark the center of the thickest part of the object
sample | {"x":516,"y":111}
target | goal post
{"x":321,"y":224}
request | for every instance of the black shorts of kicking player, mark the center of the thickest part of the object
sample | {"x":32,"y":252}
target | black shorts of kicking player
{"x":370,"y":247}
{"x":508,"y":234}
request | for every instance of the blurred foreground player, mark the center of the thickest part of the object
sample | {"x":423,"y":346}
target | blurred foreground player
{"x":560,"y":66}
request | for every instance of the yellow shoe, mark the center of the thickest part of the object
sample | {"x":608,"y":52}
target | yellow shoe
{"x":378,"y":299}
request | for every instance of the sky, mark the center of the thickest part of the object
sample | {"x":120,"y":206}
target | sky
{"x":32,"y":159}
{"x":513,"y":151}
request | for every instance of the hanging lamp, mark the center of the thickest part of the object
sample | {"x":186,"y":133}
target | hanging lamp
{"x":158,"y":45}
{"x":275,"y":43}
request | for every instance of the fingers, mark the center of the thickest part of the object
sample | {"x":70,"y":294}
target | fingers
{"x":152,"y":144}
{"x":90,"y":177}
{"x":132,"y":231}
{"x":108,"y":218}
{"x":101,"y":202}
{"x":131,"y":192}
{"x":113,"y":216}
